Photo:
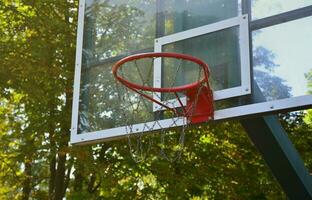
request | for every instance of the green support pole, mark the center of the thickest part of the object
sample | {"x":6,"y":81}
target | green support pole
{"x":272,"y":141}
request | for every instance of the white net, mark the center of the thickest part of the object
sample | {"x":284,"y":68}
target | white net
{"x":164,"y":115}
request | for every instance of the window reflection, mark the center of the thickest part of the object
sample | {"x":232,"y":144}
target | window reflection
{"x":182,"y":15}
{"x":117,"y":27}
{"x":282,"y":59}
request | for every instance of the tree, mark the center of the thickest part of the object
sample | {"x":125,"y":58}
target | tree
{"x":37,"y":61}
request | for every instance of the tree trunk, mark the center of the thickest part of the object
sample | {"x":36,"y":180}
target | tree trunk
{"x":27,"y":181}
{"x":52,"y":156}
{"x":61,"y":180}
{"x":52,"y":178}
{"x":67,"y":180}
{"x":60,"y":176}
{"x":60,"y":186}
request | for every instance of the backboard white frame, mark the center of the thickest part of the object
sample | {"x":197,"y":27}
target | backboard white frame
{"x":241,"y":22}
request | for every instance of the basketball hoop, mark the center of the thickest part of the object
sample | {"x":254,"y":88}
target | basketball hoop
{"x":190,"y":102}
{"x":199,"y":106}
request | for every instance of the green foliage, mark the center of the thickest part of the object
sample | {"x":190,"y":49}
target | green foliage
{"x":218,"y":162}
{"x":36,"y":69}
{"x":299,"y":127}
{"x":37,"y":45}
{"x":11,"y":120}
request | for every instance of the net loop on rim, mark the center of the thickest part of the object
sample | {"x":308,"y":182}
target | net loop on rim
{"x":190,"y":102}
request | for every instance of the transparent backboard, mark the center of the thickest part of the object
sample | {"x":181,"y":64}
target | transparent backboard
{"x":251,"y":73}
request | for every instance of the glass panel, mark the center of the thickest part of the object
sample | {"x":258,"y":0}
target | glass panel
{"x":104,"y":104}
{"x":115,"y":27}
{"x":282,"y":59}
{"x":220,"y":50}
{"x":182,"y":15}
{"x":265,"y":8}
{"x":119,"y":27}
{"x":281,"y":62}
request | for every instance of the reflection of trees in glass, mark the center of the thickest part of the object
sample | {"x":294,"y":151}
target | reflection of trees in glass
{"x":186,"y":14}
{"x":220,"y":50}
{"x":119,"y":26}
{"x":112,"y":105}
{"x":272,"y":87}
{"x":111,"y":28}
{"x":109,"y":103}
{"x":116,"y":27}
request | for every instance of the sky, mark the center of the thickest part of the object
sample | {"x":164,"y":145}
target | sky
{"x":291,"y":42}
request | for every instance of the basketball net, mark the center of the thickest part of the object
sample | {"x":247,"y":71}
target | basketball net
{"x":166,"y":112}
